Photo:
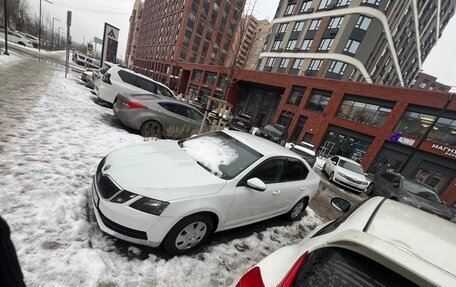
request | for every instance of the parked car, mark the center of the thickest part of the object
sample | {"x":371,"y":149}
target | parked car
{"x":121,"y":80}
{"x":15,"y":37}
{"x":346,"y":172}
{"x":97,"y":74}
{"x":87,"y":76}
{"x":273,"y":132}
{"x":91,"y":63}
{"x":379,"y":243}
{"x":395,"y":186}
{"x":241,"y":122}
{"x":176,"y":193}
{"x":158,"y":116}
{"x":35,"y":41}
{"x":80,"y":59}
{"x":305,"y":150}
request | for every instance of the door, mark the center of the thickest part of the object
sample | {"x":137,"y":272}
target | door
{"x":174,"y":120}
{"x":331,"y":164}
{"x":250,"y":205}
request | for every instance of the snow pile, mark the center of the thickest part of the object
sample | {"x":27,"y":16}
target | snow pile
{"x":6,"y":60}
{"x":210,"y":152}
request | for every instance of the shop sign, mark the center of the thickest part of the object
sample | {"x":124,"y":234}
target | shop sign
{"x":398,"y":138}
{"x":447,"y":150}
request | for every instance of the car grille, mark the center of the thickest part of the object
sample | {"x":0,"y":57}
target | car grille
{"x":353,"y":180}
{"x":106,"y":187}
{"x":122,"y":229}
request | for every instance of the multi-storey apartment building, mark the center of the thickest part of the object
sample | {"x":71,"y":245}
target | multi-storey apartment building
{"x":243,"y":41}
{"x":261,"y":32}
{"x":178,"y":31}
{"x":133,"y":32}
{"x":376,"y":41}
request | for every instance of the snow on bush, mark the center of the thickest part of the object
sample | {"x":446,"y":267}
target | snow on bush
{"x":210,"y":152}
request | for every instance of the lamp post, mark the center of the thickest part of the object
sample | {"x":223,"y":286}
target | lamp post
{"x":52,"y":41}
{"x":39,"y":27}
{"x":59,"y":35}
{"x":6,"y":26}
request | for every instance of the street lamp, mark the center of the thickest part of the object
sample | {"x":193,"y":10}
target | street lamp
{"x":39,"y":27}
{"x":52,"y":41}
{"x":59,"y":35}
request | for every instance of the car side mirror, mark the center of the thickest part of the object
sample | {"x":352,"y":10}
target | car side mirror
{"x":340,"y":204}
{"x":256,"y":183}
{"x":334,"y":162}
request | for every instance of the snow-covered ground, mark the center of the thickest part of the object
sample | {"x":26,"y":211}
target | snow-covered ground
{"x":52,"y":136}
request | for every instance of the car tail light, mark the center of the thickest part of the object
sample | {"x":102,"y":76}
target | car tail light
{"x":288,"y":280}
{"x":251,"y":279}
{"x":107,"y":78}
{"x":133,"y":105}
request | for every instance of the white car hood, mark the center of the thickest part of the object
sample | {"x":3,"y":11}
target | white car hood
{"x":351,"y":174}
{"x":160,"y":170}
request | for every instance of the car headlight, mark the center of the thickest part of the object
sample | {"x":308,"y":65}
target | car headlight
{"x":410,"y":201}
{"x":124,"y":196}
{"x":149,"y":205}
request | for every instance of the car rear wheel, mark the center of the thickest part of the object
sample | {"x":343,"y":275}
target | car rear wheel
{"x":297,"y":209}
{"x":188,"y":234}
{"x":151,"y":129}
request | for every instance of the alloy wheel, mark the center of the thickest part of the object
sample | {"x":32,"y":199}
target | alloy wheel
{"x":191,"y":235}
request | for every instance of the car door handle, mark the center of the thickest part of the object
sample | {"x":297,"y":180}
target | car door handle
{"x":275,"y":192}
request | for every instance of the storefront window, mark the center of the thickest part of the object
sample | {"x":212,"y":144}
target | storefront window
{"x":414,"y":124}
{"x":444,"y":131}
{"x":318,"y":100}
{"x":367,"y":114}
{"x":434,"y":179}
{"x":296,"y":96}
{"x":336,"y":143}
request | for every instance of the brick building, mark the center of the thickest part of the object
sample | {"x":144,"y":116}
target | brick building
{"x":133,"y":32}
{"x":380,"y":126}
{"x":427,"y":82}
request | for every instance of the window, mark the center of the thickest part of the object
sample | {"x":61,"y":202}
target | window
{"x":444,"y":131}
{"x":295,"y":170}
{"x":324,"y":4}
{"x":325,"y":44}
{"x":363,"y":22}
{"x":314,"y":24}
{"x":210,"y":78}
{"x":289,"y":9}
{"x":284,"y":63}
{"x":164,"y":91}
{"x":270,"y":171}
{"x":315,"y":64}
{"x":197,"y":75}
{"x":298,"y":26}
{"x":299,"y":126}
{"x":146,"y":85}
{"x":305,"y":6}
{"x":335,"y":22}
{"x":276,"y":45}
{"x":175,"y":108}
{"x":423,"y":85}
{"x":414,"y":124}
{"x":351,"y":46}
{"x":270,"y":62}
{"x":306,"y":44}
{"x":371,"y":2}
{"x":282,"y":28}
{"x":318,"y":100}
{"x":341,"y":3}
{"x":364,"y":113}
{"x":127,"y":77}
{"x":284,"y":120}
{"x":291,"y":45}
{"x":297,"y":65}
{"x":296,"y":96}
{"x":194,"y":115}
{"x":337,"y":67}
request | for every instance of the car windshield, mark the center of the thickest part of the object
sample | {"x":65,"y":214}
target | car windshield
{"x":420,"y":190}
{"x":351,"y":166}
{"x":220,"y":154}
{"x":273,"y":129}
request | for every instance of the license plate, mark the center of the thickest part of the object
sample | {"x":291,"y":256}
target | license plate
{"x":96,"y":198}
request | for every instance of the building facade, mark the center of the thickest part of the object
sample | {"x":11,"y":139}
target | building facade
{"x":261,"y":32}
{"x":133,"y":32}
{"x":176,"y":32}
{"x":411,"y":131}
{"x":243,"y":41}
{"x":427,"y":82}
{"x":374,"y":41}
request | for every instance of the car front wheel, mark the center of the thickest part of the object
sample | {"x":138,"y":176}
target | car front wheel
{"x":188,"y":234}
{"x":297,"y":209}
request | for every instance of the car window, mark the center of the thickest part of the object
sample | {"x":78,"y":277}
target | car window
{"x":420,"y":190}
{"x":340,"y":267}
{"x":295,"y":170}
{"x":89,"y":60}
{"x":163,"y":91}
{"x":269,"y":171}
{"x":194,"y":115}
{"x":335,"y":159}
{"x":146,"y":85}
{"x":127,"y":77}
{"x":175,"y":108}
{"x":351,"y":166}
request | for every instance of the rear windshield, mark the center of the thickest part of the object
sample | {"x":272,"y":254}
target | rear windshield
{"x":421,"y":191}
{"x":351,"y":166}
{"x":344,"y":268}
{"x":273,"y":129}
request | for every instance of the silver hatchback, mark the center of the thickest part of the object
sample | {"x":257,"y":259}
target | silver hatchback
{"x":158,"y":116}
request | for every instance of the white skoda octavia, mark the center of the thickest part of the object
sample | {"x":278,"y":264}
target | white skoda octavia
{"x":176,"y":193}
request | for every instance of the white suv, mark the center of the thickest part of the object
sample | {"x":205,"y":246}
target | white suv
{"x":121,"y":80}
{"x":17,"y":38}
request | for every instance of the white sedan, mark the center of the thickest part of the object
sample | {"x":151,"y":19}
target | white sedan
{"x":346,"y":172}
{"x":380,"y":243}
{"x":176,"y":193}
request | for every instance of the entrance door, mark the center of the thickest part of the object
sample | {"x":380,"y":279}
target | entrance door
{"x":325,"y":151}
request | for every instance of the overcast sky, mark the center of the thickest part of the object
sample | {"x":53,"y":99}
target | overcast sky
{"x":89,"y":17}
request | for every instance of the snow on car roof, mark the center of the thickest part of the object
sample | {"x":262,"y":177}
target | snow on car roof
{"x":261,"y":145}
